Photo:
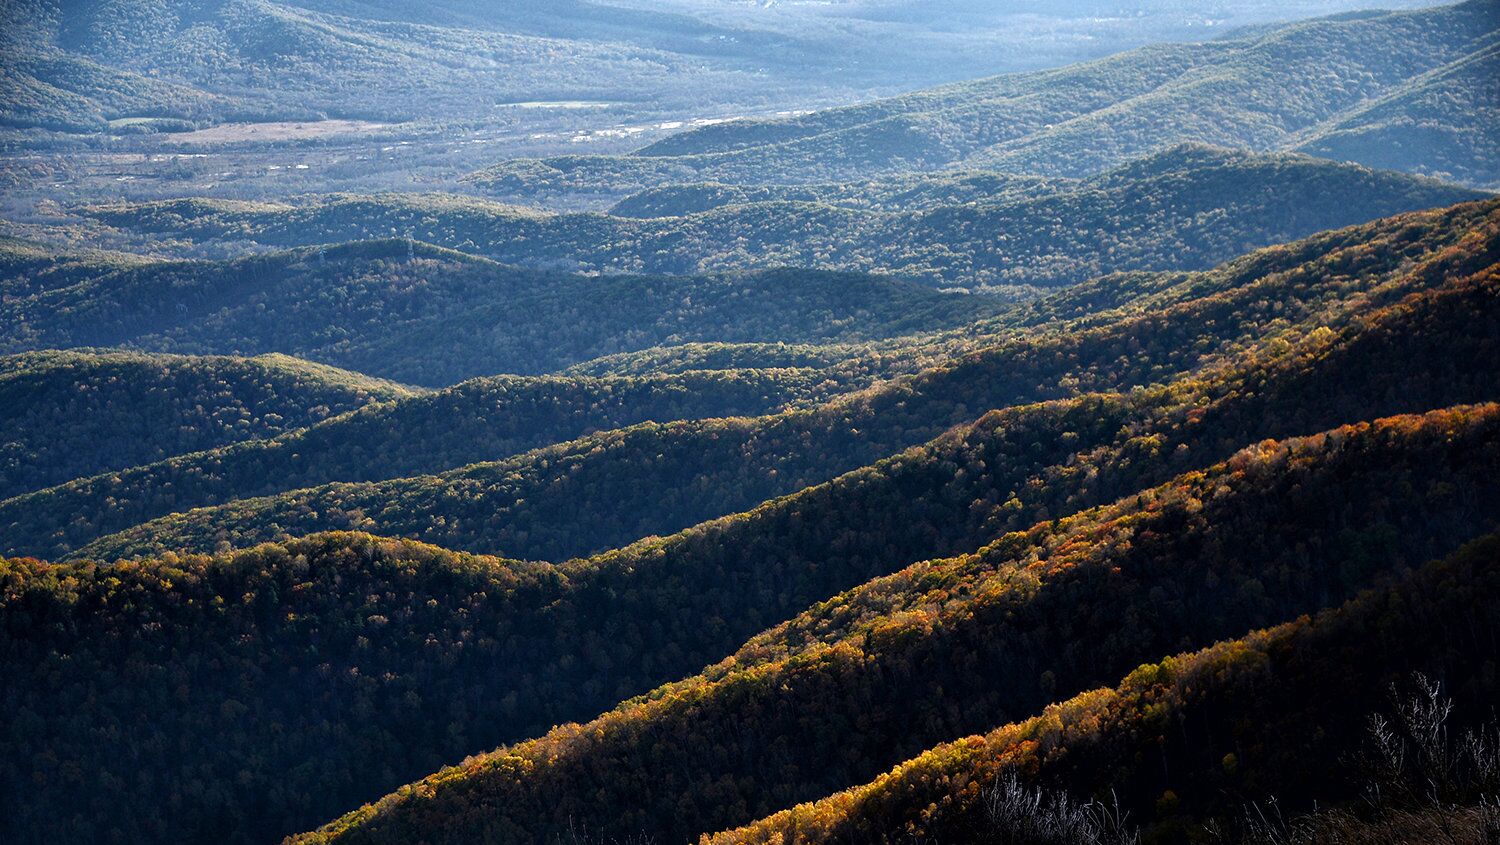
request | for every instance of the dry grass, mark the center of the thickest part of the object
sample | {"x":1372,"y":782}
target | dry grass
{"x":1476,"y":825}
{"x":229,"y":133}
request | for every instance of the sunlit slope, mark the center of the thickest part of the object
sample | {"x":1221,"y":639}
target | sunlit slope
{"x":1205,"y":724}
{"x":945,"y":648}
{"x":514,"y":648}
{"x":654,"y":479}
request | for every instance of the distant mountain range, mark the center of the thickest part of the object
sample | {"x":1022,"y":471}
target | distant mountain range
{"x":1186,"y":208}
{"x":1411,"y":90}
{"x":91,"y":66}
{"x":1172,"y":325}
{"x":426,"y":315}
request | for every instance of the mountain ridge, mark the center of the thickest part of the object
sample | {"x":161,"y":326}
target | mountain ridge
{"x":1072,"y":121}
{"x":428,"y":315}
{"x":1185,"y":208}
{"x":1192,"y":323}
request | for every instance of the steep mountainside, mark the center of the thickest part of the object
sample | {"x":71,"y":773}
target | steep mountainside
{"x":1186,"y":208}
{"x":252,"y":694}
{"x":1264,"y":91}
{"x":481,"y":420}
{"x":1099,"y":454}
{"x":72,"y":414}
{"x":654,"y":479}
{"x":1198,"y":725}
{"x":1449,"y":115}
{"x":946,"y":648}
{"x":431,"y":316}
{"x":386,"y":634}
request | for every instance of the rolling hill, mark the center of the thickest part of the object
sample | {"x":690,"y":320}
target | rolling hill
{"x":1270,"y":89}
{"x":431,"y":316}
{"x":943,"y":649}
{"x":148,"y":65}
{"x":482,"y":420}
{"x":1197,"y":725}
{"x":93,"y":66}
{"x":881,"y":556}
{"x":388,"y":610}
{"x":1187,"y":208}
{"x":906,"y":192}
{"x":72,"y":414}
{"x":1422,"y":324}
{"x":1431,"y":115}
{"x":748,"y":571}
{"x":1103,"y":453}
{"x":659,"y":478}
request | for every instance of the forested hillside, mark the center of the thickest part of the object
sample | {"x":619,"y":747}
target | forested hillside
{"x":292,"y":595}
{"x":858,"y":683}
{"x":1310,"y":487}
{"x":426,"y":315}
{"x":125,"y":66}
{"x":481,"y":420}
{"x":1332,"y":331}
{"x":659,"y":478}
{"x":612,"y":422}
{"x":1187,"y":208}
{"x":1177,"y":734}
{"x":1419,"y":333}
{"x":1267,"y":90}
{"x":84,"y":67}
{"x":1449,"y":114}
{"x":72,"y":414}
{"x":903,"y":192}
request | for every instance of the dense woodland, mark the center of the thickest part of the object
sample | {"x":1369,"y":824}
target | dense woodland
{"x":1187,"y":208}
{"x":1176,"y":735}
{"x":138,"y":66}
{"x":531,"y":645}
{"x":869,"y":678}
{"x":74,"y":414}
{"x":660,"y":478}
{"x":388,"y":623}
{"x":425,"y":315}
{"x":1065,"y":457}
{"x":130,"y":65}
{"x":476,"y":421}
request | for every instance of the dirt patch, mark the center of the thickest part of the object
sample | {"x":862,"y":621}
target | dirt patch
{"x":232,"y":133}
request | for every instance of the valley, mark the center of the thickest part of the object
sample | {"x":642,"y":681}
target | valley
{"x":606,"y":422}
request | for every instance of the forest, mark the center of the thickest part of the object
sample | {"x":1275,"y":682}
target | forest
{"x":397,"y":308}
{"x":1187,"y":208}
{"x":1411,"y":296}
{"x":620,"y":423}
{"x":659,"y":477}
